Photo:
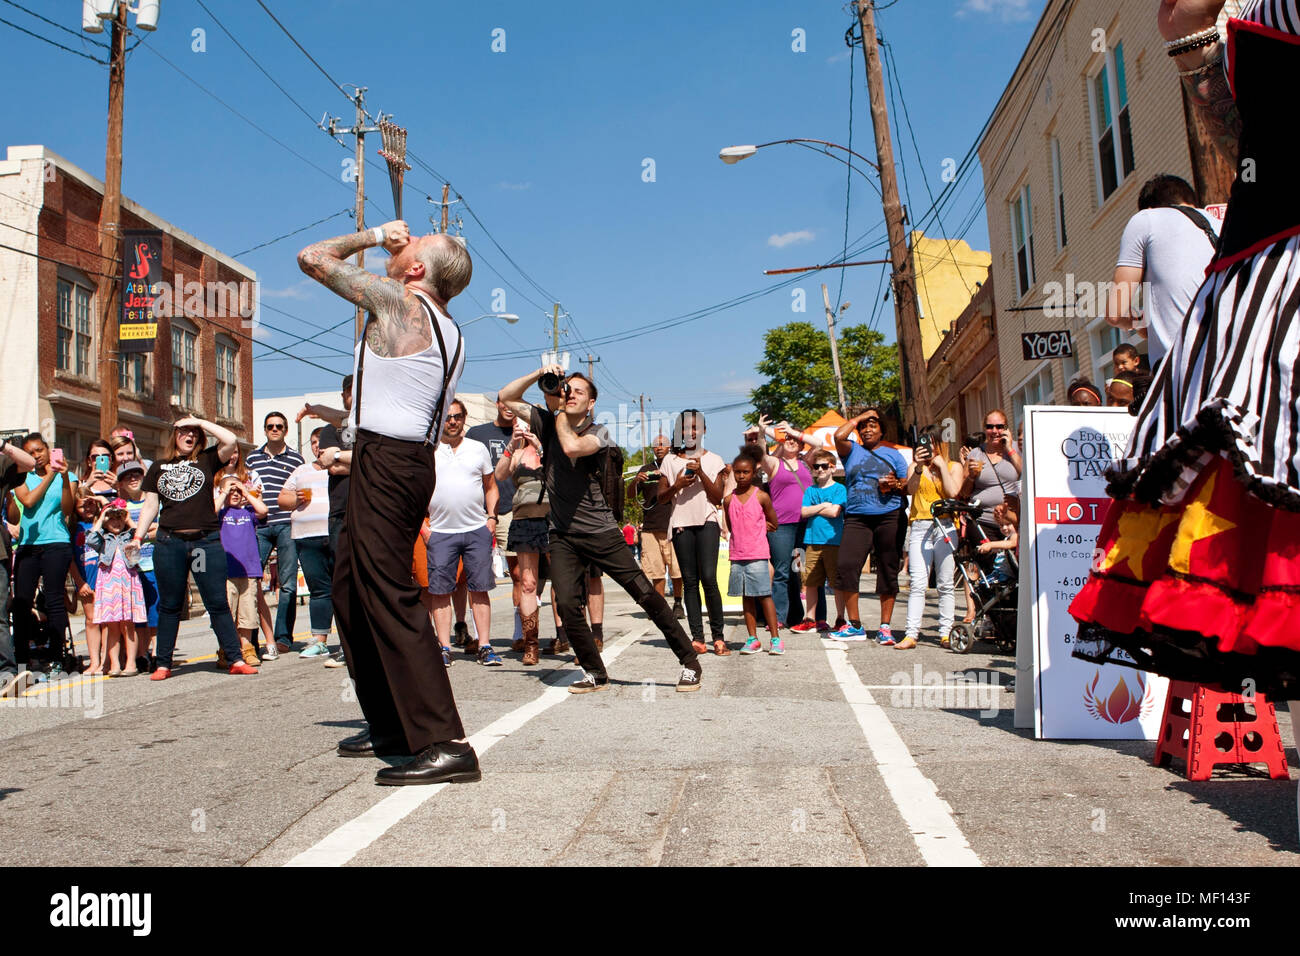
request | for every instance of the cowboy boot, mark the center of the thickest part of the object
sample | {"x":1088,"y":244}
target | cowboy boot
{"x":532,"y":653}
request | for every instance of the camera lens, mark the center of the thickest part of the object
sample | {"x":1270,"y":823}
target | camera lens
{"x":549,"y":383}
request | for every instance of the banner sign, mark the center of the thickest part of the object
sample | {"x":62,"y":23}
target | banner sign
{"x":137,"y":327}
{"x":1068,"y":452}
{"x":1041,"y":345}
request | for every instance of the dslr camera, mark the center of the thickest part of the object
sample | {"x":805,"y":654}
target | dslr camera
{"x":552,"y":384}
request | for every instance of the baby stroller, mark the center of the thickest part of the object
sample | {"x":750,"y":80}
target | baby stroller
{"x":50,"y":652}
{"x":993,"y":578}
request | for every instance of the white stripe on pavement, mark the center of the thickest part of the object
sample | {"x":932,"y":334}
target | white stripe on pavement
{"x":340,"y":846}
{"x":926,"y":814}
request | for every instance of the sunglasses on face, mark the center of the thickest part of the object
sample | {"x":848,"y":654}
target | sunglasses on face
{"x":456,"y":418}
{"x":276,"y":428}
{"x":821,"y":467}
{"x":995,"y":428}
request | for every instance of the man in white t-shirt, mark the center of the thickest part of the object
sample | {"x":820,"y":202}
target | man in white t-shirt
{"x":1167,"y":245}
{"x":462,"y":527}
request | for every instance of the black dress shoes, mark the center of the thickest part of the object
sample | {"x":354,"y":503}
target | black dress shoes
{"x":439,"y":763}
{"x":363,"y":745}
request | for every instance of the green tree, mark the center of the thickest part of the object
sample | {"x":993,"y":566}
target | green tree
{"x":800,"y":377}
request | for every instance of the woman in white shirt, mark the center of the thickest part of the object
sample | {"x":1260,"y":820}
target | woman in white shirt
{"x":306,"y":492}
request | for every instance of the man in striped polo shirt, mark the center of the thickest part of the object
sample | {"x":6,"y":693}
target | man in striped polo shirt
{"x":274,"y":462}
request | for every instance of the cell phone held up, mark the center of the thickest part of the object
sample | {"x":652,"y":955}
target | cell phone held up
{"x":57,"y":457}
{"x":101,"y":462}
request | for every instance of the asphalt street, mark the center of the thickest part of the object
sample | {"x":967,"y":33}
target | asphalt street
{"x":833,"y":754}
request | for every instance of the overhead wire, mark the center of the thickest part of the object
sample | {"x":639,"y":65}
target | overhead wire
{"x":44,"y":39}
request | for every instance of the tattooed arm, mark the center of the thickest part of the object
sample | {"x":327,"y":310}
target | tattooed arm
{"x":397,"y":325}
{"x":1210,"y":95}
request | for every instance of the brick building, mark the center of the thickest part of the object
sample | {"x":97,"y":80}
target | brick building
{"x":1093,"y":110}
{"x":962,"y":373}
{"x":51,"y":323}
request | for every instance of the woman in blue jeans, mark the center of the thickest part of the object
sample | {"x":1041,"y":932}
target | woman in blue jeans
{"x":189,"y":537}
{"x":306,"y":495}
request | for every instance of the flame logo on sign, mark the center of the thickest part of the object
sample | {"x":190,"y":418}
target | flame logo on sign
{"x":1122,"y":705}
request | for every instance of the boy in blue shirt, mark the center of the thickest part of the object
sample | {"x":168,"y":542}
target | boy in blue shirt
{"x":823,"y":512}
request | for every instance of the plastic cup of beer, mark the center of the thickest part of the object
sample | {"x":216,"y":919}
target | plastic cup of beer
{"x":306,"y":496}
{"x":255,"y":492}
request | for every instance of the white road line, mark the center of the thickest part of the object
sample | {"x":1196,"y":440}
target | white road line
{"x":926,"y":814}
{"x":340,"y":846}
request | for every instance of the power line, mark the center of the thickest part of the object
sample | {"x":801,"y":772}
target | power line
{"x":269,"y":242}
{"x":93,"y":59}
{"x":253,"y":60}
{"x":322,"y":69}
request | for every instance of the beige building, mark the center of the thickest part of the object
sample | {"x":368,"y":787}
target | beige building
{"x":1093,"y":110}
{"x":948,"y":273}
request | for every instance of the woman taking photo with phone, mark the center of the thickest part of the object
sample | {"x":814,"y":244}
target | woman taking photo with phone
{"x":932,"y":478}
{"x":97,"y":471}
{"x":189,"y":537}
{"x":44,"y":548}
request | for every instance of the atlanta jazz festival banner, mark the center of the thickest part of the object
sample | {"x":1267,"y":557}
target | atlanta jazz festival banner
{"x":1064,"y":488}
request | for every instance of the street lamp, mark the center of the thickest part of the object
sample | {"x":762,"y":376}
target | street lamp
{"x":509,"y":317}
{"x":734,"y":154}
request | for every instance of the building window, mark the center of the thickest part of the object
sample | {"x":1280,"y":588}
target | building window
{"x":133,"y":373}
{"x":1022,"y":240}
{"x":75,"y":342}
{"x":185,"y":366}
{"x":65,"y":326}
{"x":1058,"y":190}
{"x":1037,"y":391}
{"x":227,"y":359}
{"x":1111,"y":133}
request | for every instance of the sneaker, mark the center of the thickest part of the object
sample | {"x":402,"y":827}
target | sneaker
{"x":471,"y":647}
{"x":690,"y":679}
{"x":778,"y":646}
{"x":839,"y":623}
{"x":588,"y":684}
{"x":284,"y":647}
{"x":337,"y":661}
{"x":884,"y":638}
{"x":446,"y":657}
{"x":679,"y":611}
{"x":460,"y":634}
{"x":803,"y":627}
{"x":315,"y":649}
{"x":271,"y":653}
{"x":250,"y":656}
{"x":752,"y":646}
{"x":822,"y":627}
{"x":849,"y":633}
{"x":488,"y":657}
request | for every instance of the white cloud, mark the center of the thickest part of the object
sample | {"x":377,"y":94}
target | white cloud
{"x":260,"y":332}
{"x":790,"y":238}
{"x":1003,"y":9}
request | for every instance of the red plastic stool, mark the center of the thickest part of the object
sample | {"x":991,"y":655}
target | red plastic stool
{"x":1207,"y":727}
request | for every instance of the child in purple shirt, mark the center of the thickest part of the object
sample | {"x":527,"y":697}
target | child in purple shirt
{"x":239,"y":512}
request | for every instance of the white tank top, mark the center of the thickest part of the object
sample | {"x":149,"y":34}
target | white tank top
{"x":400,"y":393}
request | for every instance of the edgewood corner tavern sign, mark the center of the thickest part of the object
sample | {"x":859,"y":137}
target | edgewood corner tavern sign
{"x":141,"y":276}
{"x":1067,"y":453}
{"x":1041,"y":345}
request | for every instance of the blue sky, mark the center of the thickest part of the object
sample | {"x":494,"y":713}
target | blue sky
{"x":547,"y":142}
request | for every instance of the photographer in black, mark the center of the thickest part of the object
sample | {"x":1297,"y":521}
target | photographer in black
{"x":582,"y":527}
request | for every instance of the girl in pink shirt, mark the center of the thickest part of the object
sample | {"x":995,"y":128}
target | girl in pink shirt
{"x":750,"y":516}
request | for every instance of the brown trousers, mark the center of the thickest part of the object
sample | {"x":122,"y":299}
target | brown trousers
{"x":389,"y":642}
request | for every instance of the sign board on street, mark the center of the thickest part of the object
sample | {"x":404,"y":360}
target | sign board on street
{"x":141,"y":275}
{"x":1042,"y":345}
{"x":1068,"y":452}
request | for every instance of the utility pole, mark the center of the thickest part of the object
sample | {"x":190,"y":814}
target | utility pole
{"x":331,"y":126}
{"x":916,"y":397}
{"x":110,"y":229}
{"x":835,"y":352}
{"x":446,"y":187}
{"x":591,"y":362}
{"x":555,"y":329}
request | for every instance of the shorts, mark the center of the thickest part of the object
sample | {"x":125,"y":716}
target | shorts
{"x":529,"y":536}
{"x":750,"y":578}
{"x":658,"y":556}
{"x":241,"y":593}
{"x":503,"y":533}
{"x":472,"y":547}
{"x":149,"y":584}
{"x":820,"y":562}
{"x":881,"y":536}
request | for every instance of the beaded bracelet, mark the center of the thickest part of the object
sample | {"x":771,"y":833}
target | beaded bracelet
{"x":1198,"y":35}
{"x":1196,"y":44}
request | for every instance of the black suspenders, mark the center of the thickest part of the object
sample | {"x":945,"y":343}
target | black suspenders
{"x":447,"y":372}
